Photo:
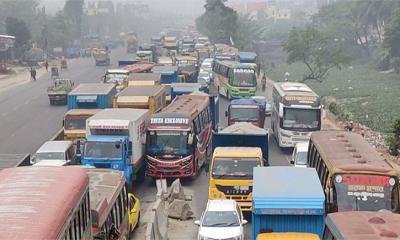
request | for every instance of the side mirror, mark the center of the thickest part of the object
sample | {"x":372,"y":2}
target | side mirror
{"x":244,"y":222}
{"x":197,"y":222}
{"x":226,"y":113}
{"x":190,"y":139}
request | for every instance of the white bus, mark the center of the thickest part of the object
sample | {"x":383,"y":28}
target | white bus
{"x":296,"y":113}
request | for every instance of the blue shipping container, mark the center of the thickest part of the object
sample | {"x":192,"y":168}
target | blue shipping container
{"x":92,"y":95}
{"x":287,"y":199}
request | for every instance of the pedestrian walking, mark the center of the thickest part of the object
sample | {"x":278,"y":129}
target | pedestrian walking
{"x":33,"y":74}
{"x":264,"y":81}
{"x":46,"y":65}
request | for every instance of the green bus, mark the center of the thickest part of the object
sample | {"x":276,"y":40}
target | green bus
{"x":234,"y":79}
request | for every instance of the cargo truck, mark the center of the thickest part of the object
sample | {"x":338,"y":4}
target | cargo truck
{"x":169,"y":75}
{"x":171,"y":43}
{"x":92,"y":95}
{"x":101,"y":58}
{"x":246,"y":110}
{"x":178,"y":89}
{"x":237,"y":149}
{"x":288,"y":203}
{"x":144,"y":79}
{"x":118,"y":77}
{"x":115,"y":139}
{"x":75,"y":123}
{"x":143,"y":97}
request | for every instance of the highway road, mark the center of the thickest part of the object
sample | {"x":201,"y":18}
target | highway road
{"x":198,"y":188}
{"x":27,"y":120}
{"x":26,"y":117}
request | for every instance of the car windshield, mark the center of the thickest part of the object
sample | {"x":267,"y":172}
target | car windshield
{"x":106,"y":150}
{"x":220,"y":219}
{"x":300,"y":118}
{"x":301,"y":158}
{"x":115,"y":78}
{"x":361,"y":192}
{"x":234,"y":167}
{"x":244,"y":114}
{"x":75,"y":122}
{"x":244,"y":78}
{"x":50,"y":156}
{"x":164,"y":143}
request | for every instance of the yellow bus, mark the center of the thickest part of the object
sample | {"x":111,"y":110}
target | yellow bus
{"x":354,"y":176}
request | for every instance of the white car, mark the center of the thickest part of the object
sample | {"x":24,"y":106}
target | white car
{"x":222,"y":219}
{"x":206,"y":65}
{"x":299,"y":157}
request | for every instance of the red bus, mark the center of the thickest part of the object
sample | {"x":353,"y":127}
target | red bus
{"x":179,"y":138}
{"x":109,"y":203}
{"x":44,"y":203}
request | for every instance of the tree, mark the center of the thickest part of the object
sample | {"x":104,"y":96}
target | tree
{"x":17,"y":27}
{"x":392,"y":35}
{"x":248,"y":30}
{"x":219,"y":22}
{"x":73,"y":12}
{"x":394,"y":139}
{"x":320,"y":52}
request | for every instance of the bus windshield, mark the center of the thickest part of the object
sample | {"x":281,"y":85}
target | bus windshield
{"x":300,"y":118}
{"x":107,"y":150}
{"x":232,"y":168}
{"x":75,"y":122}
{"x":244,"y":78}
{"x":360,"y":192}
{"x":244,"y":114}
{"x":164,"y":143}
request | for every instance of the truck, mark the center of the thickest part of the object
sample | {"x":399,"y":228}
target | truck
{"x":14,"y":160}
{"x":92,"y":95}
{"x":118,"y":77}
{"x":143,"y":97}
{"x":287,"y":201}
{"x":246,"y":110}
{"x":115,"y":139}
{"x":171,"y":43}
{"x":169,"y":75}
{"x":59,"y":90}
{"x":178,"y":89}
{"x":144,"y":56}
{"x":101,"y":57}
{"x":144,"y":79}
{"x":131,"y":44}
{"x":74,"y":123}
{"x":237,"y":149}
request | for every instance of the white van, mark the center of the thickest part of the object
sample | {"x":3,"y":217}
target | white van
{"x":55,"y":153}
{"x":299,"y":157}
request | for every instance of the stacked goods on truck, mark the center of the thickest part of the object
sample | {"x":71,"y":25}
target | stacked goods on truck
{"x":144,"y":79}
{"x":143,"y":97}
{"x":115,"y":140}
{"x":59,"y":90}
{"x":136,"y":66}
{"x":287,"y":201}
{"x":92,"y":95}
{"x":246,"y":110}
{"x":237,"y":149}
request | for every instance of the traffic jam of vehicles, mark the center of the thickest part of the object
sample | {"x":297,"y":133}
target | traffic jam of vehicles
{"x":156,"y":116}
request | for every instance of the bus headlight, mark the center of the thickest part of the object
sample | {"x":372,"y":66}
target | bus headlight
{"x":392,"y":181}
{"x":338,"y":179}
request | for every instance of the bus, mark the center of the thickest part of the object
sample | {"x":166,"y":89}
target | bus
{"x":362,"y":225}
{"x":296,"y":113}
{"x":353,"y":174}
{"x":110,"y":203}
{"x":44,"y":203}
{"x":234,"y":79}
{"x":179,"y":138}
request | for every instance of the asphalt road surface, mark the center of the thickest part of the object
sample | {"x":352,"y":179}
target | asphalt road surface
{"x":26,"y":118}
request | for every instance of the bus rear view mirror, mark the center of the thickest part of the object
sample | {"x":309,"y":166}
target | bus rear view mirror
{"x":190,"y":139}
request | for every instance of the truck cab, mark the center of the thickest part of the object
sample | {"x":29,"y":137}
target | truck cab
{"x":246,"y":110}
{"x":118,"y":77}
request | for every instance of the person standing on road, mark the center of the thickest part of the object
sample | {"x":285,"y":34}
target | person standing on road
{"x":264,"y":81}
{"x":33,"y":74}
{"x":46,"y":65}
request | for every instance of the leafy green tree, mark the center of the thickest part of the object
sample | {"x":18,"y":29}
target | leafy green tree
{"x":73,"y":12}
{"x":320,"y":52}
{"x":219,"y":22}
{"x":18,"y":28}
{"x":248,"y":30}
{"x":392,"y":35}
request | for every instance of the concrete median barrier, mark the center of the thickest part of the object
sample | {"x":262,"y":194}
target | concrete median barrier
{"x":157,"y":227}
